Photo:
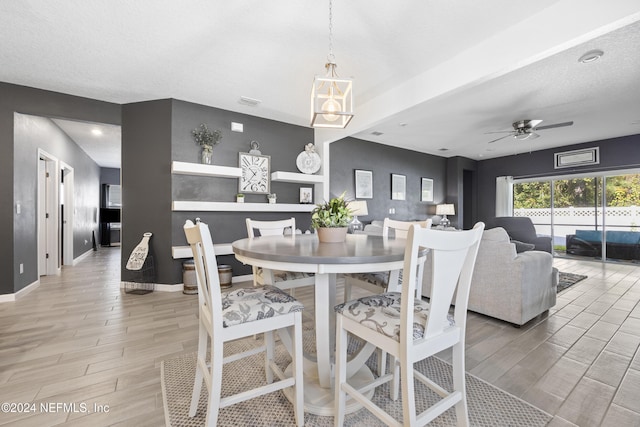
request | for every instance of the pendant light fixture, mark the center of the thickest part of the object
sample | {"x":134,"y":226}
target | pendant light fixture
{"x":331,"y":96}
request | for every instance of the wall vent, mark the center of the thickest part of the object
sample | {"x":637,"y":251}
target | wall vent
{"x":576,"y":158}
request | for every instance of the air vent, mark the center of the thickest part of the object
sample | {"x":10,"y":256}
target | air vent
{"x":568,"y":159}
{"x":249,"y":101}
{"x":376,"y":133}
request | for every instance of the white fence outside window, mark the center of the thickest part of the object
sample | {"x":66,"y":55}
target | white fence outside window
{"x":567,"y":220}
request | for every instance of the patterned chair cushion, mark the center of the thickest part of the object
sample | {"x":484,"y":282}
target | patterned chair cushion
{"x":250,"y":304}
{"x":380,"y":278}
{"x":382,"y":314}
{"x":283,"y":276}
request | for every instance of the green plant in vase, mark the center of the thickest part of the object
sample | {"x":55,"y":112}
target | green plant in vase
{"x":207,"y":139}
{"x":331,"y":219}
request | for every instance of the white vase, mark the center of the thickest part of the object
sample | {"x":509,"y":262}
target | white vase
{"x":332,"y":234}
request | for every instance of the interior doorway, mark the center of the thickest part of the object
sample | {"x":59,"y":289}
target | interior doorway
{"x":48,"y":235}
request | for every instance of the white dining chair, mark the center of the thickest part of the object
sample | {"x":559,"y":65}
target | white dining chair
{"x":278,"y":278}
{"x":410,"y":329}
{"x":224,"y":317}
{"x":379,"y":281}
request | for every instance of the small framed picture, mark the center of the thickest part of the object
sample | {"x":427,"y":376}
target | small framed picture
{"x":306,"y":195}
{"x":426,"y":190}
{"x":398,"y":187}
{"x":364,"y":184}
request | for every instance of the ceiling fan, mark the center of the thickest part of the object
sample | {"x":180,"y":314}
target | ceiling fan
{"x":526,"y":129}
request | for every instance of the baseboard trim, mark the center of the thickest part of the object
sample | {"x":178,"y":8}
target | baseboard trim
{"x":21,"y":293}
{"x":81,"y":257}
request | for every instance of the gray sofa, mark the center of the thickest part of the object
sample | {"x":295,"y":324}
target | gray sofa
{"x":521,"y":229}
{"x":506,"y":285}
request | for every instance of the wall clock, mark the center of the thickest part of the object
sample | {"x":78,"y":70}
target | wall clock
{"x":256,"y":173}
{"x":309,"y":161}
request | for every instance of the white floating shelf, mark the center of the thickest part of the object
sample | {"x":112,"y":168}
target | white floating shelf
{"x":178,"y":252}
{"x":185,"y":168}
{"x":296,"y":177}
{"x":240,"y":207}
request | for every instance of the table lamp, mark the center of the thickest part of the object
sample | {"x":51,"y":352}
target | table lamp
{"x":357,"y":207}
{"x":444,"y":210}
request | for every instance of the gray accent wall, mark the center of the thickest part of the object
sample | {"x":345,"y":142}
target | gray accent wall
{"x":615,"y":154}
{"x":350,"y":154}
{"x":154,"y":134}
{"x":281,"y":141}
{"x":35,"y":102}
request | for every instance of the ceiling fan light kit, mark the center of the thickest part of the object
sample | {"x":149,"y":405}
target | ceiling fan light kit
{"x":331,"y":96}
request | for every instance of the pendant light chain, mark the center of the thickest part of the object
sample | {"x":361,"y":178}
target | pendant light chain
{"x":331,"y":58}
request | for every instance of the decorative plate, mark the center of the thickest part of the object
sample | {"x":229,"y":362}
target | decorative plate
{"x":309,"y":161}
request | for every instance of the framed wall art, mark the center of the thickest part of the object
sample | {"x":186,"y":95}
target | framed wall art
{"x":426,"y":190}
{"x":398,"y":187}
{"x":306,"y":195}
{"x":364,"y":184}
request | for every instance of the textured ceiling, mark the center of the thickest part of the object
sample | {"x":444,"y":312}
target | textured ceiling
{"x":450,"y":71}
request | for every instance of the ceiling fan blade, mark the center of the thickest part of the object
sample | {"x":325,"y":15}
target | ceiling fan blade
{"x":533,"y":135}
{"x":556,"y":125}
{"x":533,"y":123}
{"x":499,"y":131}
{"x":502,"y":137}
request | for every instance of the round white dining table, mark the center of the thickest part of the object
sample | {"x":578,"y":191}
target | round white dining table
{"x":360,"y":253}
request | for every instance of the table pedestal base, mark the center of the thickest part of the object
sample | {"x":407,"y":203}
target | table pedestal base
{"x":320,"y":401}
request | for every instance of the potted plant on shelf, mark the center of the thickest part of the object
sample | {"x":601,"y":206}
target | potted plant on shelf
{"x":239,"y":198}
{"x":207,"y":139}
{"x":331,"y":219}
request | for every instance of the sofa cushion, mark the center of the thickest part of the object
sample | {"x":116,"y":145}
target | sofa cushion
{"x":497,"y":234}
{"x":523,"y":247}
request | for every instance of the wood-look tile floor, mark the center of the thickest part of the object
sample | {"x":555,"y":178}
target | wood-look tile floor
{"x":90,"y":354}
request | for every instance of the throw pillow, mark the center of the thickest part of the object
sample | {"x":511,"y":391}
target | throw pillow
{"x":523,"y":247}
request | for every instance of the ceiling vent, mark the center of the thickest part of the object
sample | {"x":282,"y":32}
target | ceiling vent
{"x":249,"y":101}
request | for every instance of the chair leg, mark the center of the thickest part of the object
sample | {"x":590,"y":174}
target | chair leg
{"x":395,"y":381}
{"x":268,"y":356}
{"x":215,"y":392}
{"x":341,"y":373}
{"x":462,"y":414}
{"x":347,"y":289}
{"x":382,"y":362}
{"x":203,"y":337}
{"x":298,"y":369}
{"x":408,"y":393}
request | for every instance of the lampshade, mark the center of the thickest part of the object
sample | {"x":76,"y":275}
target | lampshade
{"x":358,"y":207}
{"x":446,"y":209}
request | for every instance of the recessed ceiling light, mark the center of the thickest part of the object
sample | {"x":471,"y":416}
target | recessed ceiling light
{"x":96,"y":131}
{"x":443,"y":149}
{"x":592,"y":55}
{"x":403,"y":124}
{"x":376,"y":133}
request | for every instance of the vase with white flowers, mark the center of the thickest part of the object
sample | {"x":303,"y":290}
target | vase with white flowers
{"x":207,"y":139}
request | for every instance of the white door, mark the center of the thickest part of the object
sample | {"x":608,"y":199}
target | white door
{"x":48,"y":235}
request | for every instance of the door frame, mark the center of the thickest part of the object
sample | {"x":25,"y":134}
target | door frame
{"x":68,"y":215}
{"x":51,"y":206}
